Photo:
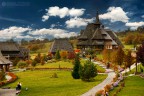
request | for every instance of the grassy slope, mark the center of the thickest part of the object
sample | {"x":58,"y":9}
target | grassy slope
{"x":40,"y":83}
{"x":134,"y":86}
{"x":133,"y":83}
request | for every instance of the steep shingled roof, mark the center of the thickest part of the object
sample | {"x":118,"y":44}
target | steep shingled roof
{"x":3,"y":60}
{"x":8,"y":46}
{"x":61,"y":44}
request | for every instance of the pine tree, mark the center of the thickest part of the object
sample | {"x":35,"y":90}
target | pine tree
{"x":57,"y":55}
{"x":75,"y":72}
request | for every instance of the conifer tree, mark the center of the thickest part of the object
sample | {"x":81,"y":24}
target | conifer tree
{"x":75,"y":72}
{"x":57,"y":55}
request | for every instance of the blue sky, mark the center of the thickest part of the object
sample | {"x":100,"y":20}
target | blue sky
{"x":39,"y":19}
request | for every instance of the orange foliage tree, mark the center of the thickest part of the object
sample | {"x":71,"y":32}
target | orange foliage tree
{"x":63,"y":54}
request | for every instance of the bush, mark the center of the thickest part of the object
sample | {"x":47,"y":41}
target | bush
{"x":22,"y":64}
{"x":16,"y":60}
{"x":54,"y":75}
{"x":88,"y":71}
{"x":2,"y":75}
{"x":34,"y":63}
{"x":123,"y":84}
{"x":71,"y":55}
{"x":108,"y":87}
{"x":100,"y":93}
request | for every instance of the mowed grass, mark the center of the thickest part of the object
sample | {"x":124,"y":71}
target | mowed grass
{"x":66,"y":64}
{"x":40,"y":83}
{"x":134,"y":86}
{"x":128,"y":46}
{"x":57,"y":64}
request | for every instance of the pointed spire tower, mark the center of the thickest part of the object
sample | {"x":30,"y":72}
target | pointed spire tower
{"x":98,"y":23}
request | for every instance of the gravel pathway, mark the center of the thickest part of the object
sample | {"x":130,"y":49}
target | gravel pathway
{"x":111,"y":75}
{"x":7,"y":92}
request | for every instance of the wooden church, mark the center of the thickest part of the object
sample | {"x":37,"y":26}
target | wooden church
{"x":61,"y":44}
{"x":97,"y":37}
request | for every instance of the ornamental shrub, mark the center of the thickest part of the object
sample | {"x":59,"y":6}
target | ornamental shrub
{"x":88,"y":71}
{"x":22,"y":64}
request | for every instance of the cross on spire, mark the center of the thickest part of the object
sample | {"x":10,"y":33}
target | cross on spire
{"x":97,"y":18}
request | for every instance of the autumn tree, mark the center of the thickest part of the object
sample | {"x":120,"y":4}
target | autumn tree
{"x":119,"y":58}
{"x":63,"y":54}
{"x":71,"y":55}
{"x":128,"y":59}
{"x":38,"y":58}
{"x":106,"y":55}
{"x":140,"y":54}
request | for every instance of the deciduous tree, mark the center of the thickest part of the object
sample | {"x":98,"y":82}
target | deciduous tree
{"x":128,"y":59}
{"x":119,"y":56}
{"x":140,"y":54}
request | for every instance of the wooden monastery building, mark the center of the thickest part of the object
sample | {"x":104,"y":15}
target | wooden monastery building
{"x":61,"y":44}
{"x":96,"y":37}
{"x":4,"y":63}
{"x":11,"y":50}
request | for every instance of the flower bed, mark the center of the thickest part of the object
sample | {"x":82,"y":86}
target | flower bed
{"x":12,"y":79}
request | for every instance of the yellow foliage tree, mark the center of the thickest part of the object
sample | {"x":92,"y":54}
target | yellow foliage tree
{"x":63,"y":54}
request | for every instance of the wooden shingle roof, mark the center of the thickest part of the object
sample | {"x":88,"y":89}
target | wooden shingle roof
{"x":61,"y":44}
{"x":8,"y":46}
{"x":3,"y":60}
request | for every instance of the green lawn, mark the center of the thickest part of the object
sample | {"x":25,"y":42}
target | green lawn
{"x":40,"y":83}
{"x":128,"y":46}
{"x":62,"y":64}
{"x":134,"y":86}
{"x":65,"y":64}
{"x":138,"y":69}
{"x":134,"y":83}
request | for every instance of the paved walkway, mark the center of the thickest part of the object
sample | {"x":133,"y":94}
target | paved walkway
{"x":111,"y":75}
{"x":7,"y":92}
{"x":132,"y":67}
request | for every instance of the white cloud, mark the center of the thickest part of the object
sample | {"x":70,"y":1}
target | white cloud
{"x":115,"y":14}
{"x":18,"y":33}
{"x":62,"y":12}
{"x":57,"y":33}
{"x":134,"y":25}
{"x":13,"y":32}
{"x":142,"y":16}
{"x":76,"y":12}
{"x":77,"y":22}
{"x":44,"y":18}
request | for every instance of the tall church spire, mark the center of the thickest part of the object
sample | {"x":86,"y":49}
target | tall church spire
{"x":97,"y":18}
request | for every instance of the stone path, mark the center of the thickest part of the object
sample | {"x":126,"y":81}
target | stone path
{"x":7,"y":92}
{"x":111,"y":75}
{"x":132,"y":67}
